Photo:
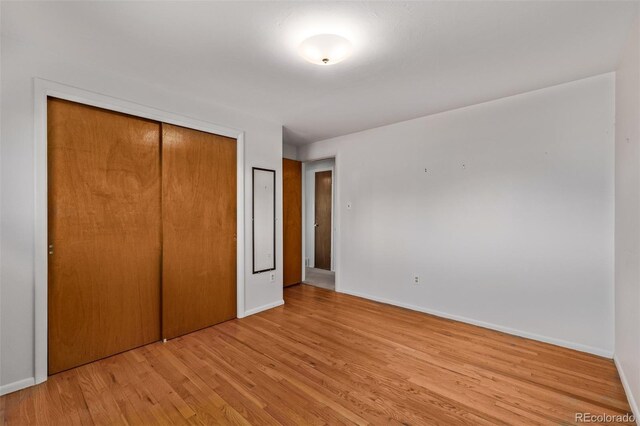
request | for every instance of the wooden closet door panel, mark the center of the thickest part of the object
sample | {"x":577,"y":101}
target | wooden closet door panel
{"x":323,"y":221}
{"x":104,"y":226}
{"x":292,"y":220}
{"x":199,"y":230}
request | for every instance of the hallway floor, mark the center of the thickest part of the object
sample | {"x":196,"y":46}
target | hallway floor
{"x":320,"y":278}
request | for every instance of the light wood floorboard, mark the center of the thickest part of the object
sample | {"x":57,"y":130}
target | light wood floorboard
{"x":329,"y":358}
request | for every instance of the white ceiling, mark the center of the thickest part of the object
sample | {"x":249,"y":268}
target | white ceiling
{"x":410,"y":59}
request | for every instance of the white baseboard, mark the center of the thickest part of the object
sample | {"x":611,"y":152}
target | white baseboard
{"x":627,"y":389}
{"x":558,"y":342}
{"x":16,"y":386}
{"x":263,"y":308}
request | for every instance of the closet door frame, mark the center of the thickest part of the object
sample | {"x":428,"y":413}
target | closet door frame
{"x":43,"y":89}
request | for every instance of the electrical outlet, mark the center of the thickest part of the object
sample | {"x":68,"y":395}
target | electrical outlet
{"x":272,"y":276}
{"x":416,"y":280}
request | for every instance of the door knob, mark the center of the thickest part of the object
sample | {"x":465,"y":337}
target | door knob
{"x":315,"y":225}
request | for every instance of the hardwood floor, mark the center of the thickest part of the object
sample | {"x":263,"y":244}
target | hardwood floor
{"x":328,"y":358}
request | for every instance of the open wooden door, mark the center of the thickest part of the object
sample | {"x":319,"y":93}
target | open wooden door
{"x":292,"y":221}
{"x":104,"y":233}
{"x":199,"y":230}
{"x":322,"y":245}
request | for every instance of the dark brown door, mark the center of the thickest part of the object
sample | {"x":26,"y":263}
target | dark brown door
{"x":292,"y":221}
{"x":323,"y":220}
{"x":199,"y":230}
{"x":104,"y":233}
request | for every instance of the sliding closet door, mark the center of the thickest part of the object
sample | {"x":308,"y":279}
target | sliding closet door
{"x":104,"y":233}
{"x":199,"y":230}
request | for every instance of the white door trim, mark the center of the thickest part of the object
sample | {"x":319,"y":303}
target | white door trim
{"x":304,"y":222}
{"x":335,"y":207}
{"x":44,"y":89}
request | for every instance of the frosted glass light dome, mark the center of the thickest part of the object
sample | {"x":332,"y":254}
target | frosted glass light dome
{"x":325,"y":49}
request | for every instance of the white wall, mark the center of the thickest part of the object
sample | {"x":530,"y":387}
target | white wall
{"x":289,"y":151}
{"x":21,"y":62}
{"x":509,"y":226}
{"x":627,"y":223}
{"x":310,"y":207}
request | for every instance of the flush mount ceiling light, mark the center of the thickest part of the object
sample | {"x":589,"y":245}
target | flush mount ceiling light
{"x":325,"y":49}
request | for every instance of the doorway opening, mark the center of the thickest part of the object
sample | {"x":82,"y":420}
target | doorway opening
{"x":319,"y":220}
